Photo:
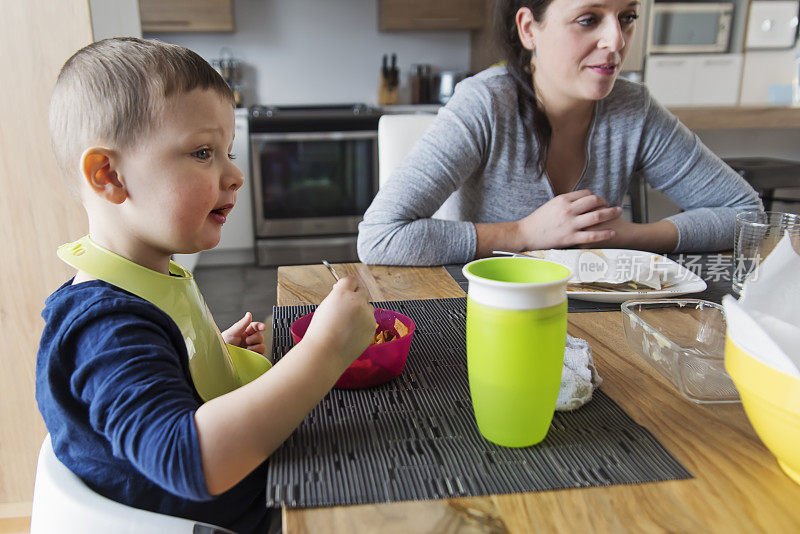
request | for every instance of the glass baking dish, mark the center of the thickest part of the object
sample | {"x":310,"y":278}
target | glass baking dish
{"x":684,"y":340}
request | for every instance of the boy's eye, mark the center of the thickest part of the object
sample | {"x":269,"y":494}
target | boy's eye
{"x":203,"y":153}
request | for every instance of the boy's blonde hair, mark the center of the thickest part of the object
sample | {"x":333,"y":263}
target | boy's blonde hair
{"x":113,"y":92}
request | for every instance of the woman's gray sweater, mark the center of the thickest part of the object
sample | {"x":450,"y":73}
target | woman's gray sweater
{"x":477,"y":162}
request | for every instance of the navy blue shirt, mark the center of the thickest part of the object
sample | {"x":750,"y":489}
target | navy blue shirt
{"x":114,"y":389}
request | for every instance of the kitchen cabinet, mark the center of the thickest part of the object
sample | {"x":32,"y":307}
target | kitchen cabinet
{"x":694,"y":80}
{"x":772,"y":24}
{"x":764,"y":70}
{"x":394,"y":15}
{"x":670,"y":79}
{"x":186,"y":15}
{"x":769,"y":62}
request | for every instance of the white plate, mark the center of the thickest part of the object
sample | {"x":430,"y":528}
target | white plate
{"x":682,"y":281}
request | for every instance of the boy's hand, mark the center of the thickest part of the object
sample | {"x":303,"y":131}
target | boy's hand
{"x":247,"y":334}
{"x":344,"y":324}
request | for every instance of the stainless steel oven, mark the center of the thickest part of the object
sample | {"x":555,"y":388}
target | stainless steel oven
{"x":315,"y":172}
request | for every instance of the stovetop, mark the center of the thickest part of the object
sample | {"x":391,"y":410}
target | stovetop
{"x":322,"y":117}
{"x":320,"y":110}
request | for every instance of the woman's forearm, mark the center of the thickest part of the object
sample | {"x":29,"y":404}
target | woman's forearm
{"x":417,"y":242}
{"x":497,"y":236}
{"x":661,"y":236}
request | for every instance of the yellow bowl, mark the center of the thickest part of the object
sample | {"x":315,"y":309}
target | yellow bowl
{"x":771,"y":400}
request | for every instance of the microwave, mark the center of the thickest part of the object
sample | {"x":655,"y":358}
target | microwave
{"x":681,"y":28}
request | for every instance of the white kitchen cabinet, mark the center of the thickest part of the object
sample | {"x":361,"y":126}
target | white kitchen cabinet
{"x":762,"y":69}
{"x":670,"y":79}
{"x":717,"y":79}
{"x":694,"y":80}
{"x":772,"y":24}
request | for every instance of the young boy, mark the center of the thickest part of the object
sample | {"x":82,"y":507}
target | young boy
{"x":141,"y":132}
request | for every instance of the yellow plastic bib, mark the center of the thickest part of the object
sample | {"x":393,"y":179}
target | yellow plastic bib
{"x":216,"y":367}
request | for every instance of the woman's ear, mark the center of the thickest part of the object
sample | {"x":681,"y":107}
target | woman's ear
{"x":99,"y":169}
{"x":525,"y":28}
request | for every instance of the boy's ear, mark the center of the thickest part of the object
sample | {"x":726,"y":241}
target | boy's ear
{"x":99,"y":169}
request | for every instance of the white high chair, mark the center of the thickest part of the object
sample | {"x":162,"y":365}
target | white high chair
{"x":63,"y":503}
{"x":396,"y":135}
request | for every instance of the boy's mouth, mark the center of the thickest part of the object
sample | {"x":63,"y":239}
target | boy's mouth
{"x":220,"y":214}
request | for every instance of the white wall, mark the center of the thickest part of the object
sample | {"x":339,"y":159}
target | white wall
{"x":115,"y":18}
{"x":321,"y":51}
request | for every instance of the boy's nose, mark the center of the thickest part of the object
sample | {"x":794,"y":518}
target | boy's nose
{"x":233,"y":178}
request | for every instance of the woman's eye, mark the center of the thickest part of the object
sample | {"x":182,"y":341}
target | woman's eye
{"x":231,"y":156}
{"x":203,"y":153}
{"x":586,"y":21}
{"x":629,"y":18}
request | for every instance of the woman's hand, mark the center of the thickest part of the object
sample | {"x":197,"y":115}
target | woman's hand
{"x":569,"y":220}
{"x":247,"y":334}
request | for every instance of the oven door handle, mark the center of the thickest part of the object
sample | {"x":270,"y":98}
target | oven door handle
{"x":314,"y":136}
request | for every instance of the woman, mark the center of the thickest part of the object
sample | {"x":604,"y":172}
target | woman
{"x":539,"y":154}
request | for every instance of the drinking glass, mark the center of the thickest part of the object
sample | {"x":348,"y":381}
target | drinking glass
{"x":756,"y":234}
{"x":516,"y":332}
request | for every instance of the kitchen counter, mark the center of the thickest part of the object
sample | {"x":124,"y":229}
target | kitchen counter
{"x":695,"y":118}
{"x":737,"y":117}
{"x":410,"y":108}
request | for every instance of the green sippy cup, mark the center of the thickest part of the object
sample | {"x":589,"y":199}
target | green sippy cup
{"x":516,"y":332}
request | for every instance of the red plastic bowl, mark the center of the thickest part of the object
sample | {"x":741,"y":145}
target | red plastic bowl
{"x":379,"y":363}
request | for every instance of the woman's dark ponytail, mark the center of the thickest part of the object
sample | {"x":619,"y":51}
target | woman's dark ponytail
{"x":518,"y":63}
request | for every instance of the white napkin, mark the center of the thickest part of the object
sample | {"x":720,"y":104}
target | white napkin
{"x":765,"y":321}
{"x":579,"y":377}
{"x":595,"y":265}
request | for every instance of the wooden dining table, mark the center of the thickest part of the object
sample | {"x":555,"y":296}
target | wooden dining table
{"x":737,"y":485}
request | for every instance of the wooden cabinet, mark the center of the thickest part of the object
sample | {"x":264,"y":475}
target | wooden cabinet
{"x":396,"y":15}
{"x":186,"y":15}
{"x":37,"y":214}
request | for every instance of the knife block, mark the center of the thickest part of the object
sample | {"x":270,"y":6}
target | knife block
{"x":387,"y":92}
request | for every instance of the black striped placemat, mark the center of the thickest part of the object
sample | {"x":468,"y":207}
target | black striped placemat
{"x":416,"y":438}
